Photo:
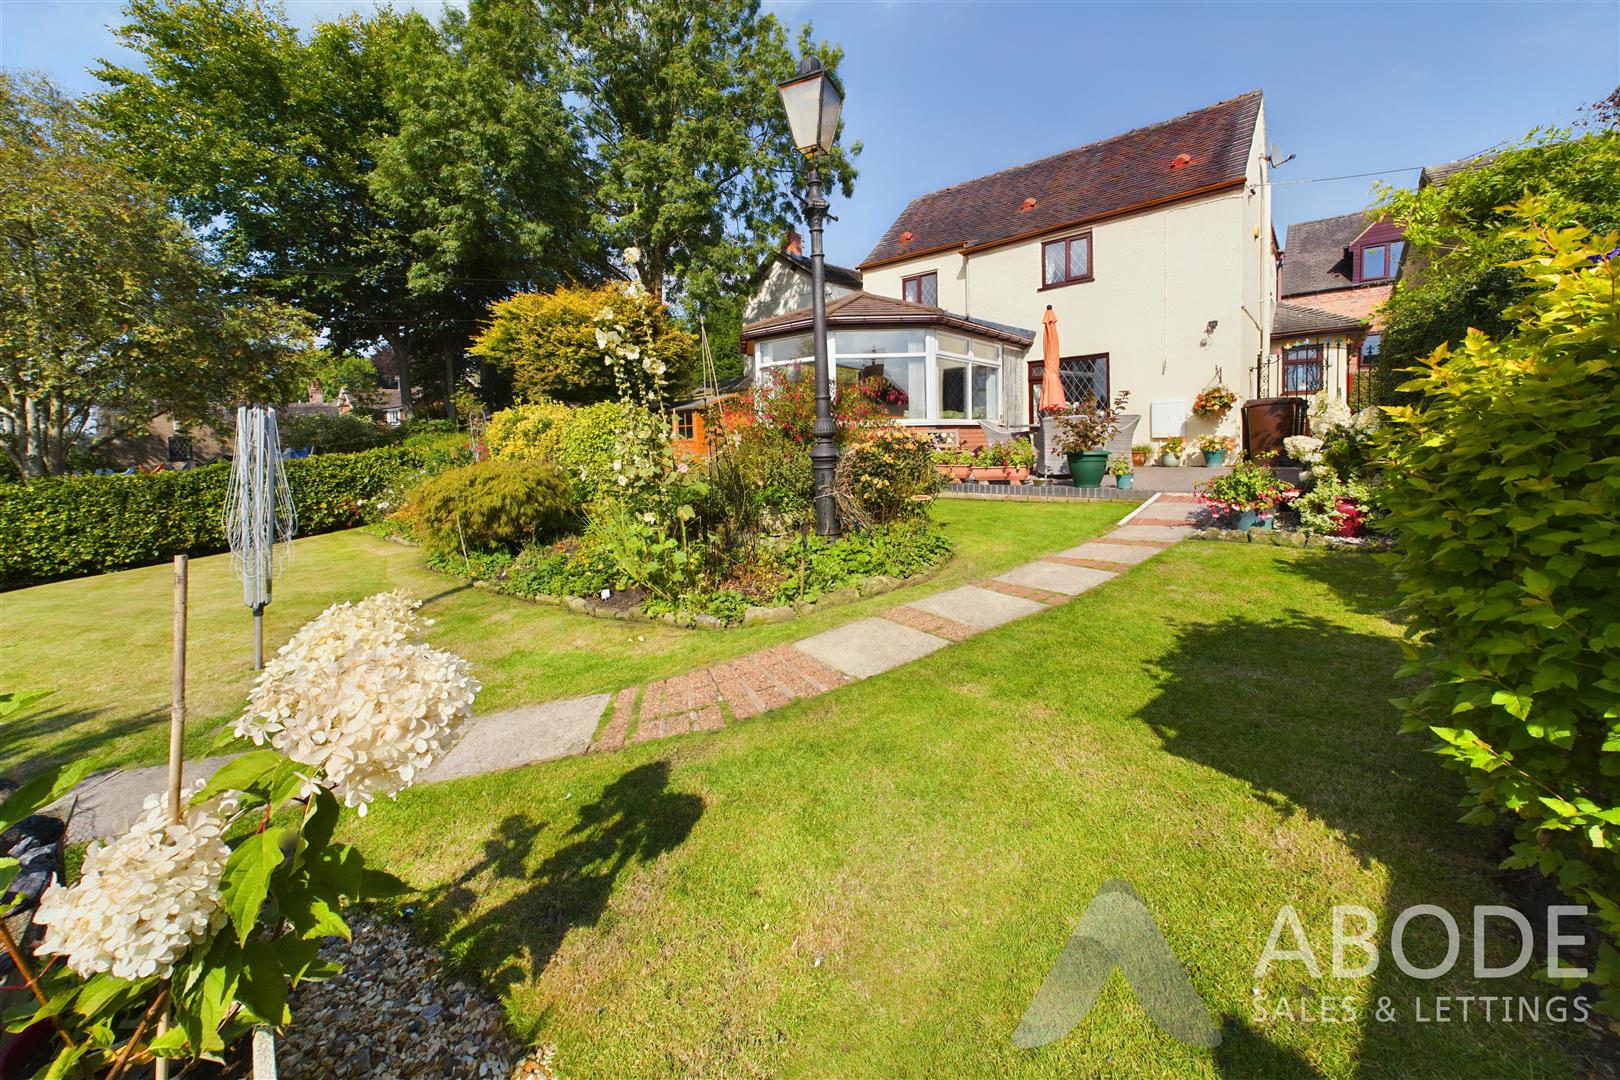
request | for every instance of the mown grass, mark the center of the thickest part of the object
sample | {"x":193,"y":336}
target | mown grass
{"x":874,"y":883}
{"x":102,"y":643}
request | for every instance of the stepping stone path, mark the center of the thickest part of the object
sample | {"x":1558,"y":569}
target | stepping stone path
{"x":711,"y":697}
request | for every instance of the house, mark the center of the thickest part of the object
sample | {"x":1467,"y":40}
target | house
{"x":782,"y":283}
{"x":1153,"y":249}
{"x":1335,"y":273}
{"x":382,"y":405}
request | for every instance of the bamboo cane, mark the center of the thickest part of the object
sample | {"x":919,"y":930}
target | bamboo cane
{"x":177,"y":739}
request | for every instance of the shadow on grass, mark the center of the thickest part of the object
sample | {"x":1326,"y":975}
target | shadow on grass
{"x":1360,"y":580}
{"x":1298,"y":709}
{"x":635,"y":820}
{"x":87,"y":736}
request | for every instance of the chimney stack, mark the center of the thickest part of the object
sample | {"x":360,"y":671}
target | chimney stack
{"x":315,"y":395}
{"x":793,"y":243}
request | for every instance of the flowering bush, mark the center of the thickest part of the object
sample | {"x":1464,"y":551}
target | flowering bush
{"x":1306,"y":449}
{"x":1318,"y":509}
{"x":1090,"y":425}
{"x":530,"y":432}
{"x":213,"y":918}
{"x":145,"y":899}
{"x":1327,"y":413}
{"x":1249,"y":487}
{"x":1214,"y":401}
{"x":354,"y":697}
{"x":1174,"y":446}
{"x":887,"y":471}
{"x":1214,"y":444}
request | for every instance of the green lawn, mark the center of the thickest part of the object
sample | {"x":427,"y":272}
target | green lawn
{"x":102,"y":643}
{"x":873,"y":883}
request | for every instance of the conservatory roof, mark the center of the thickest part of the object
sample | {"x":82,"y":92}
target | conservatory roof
{"x":868,"y":309}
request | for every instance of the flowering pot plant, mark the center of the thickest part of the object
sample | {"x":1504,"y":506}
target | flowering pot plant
{"x":1141,"y":453}
{"x":1213,"y":402}
{"x":990,"y":463}
{"x":1020,"y":460}
{"x":1247,"y":496}
{"x":1121,"y":469}
{"x":188,"y":931}
{"x":1216,"y":447}
{"x":1082,"y":434}
{"x":1173,"y":448}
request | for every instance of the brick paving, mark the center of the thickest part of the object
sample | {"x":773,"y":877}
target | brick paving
{"x":1024,"y":592}
{"x":1094,"y":564}
{"x":624,"y":711}
{"x":929,"y":623}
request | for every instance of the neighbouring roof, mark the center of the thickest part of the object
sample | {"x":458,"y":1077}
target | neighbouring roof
{"x":867,"y":309}
{"x":708,"y":395}
{"x":1433,"y":175}
{"x":1290,"y":320}
{"x":1188,"y":155}
{"x":1316,"y":255}
{"x":837,"y":275}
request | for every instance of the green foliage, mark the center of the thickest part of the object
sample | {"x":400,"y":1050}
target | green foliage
{"x":897,"y":550}
{"x":1250,"y":486}
{"x":106,"y":301}
{"x":530,"y":432}
{"x":1503,"y":484}
{"x":1459,"y":264}
{"x":889,"y":473}
{"x":493,"y":506}
{"x":330,"y":432}
{"x":547,"y":343}
{"x":346,"y":371}
{"x":283,"y":888}
{"x":1088,"y":425}
{"x":76,"y":525}
{"x":1318,"y":508}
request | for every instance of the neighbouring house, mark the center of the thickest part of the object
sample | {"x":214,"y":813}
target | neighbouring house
{"x":782,"y":283}
{"x":1335,"y":273}
{"x":1153,"y":249}
{"x":381,"y":405}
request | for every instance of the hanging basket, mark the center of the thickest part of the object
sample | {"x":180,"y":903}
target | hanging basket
{"x":1215,"y":401}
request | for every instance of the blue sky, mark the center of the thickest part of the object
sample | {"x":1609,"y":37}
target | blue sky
{"x":942,"y":92}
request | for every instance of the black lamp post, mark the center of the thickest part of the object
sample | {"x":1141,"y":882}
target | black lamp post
{"x":813,"y":102}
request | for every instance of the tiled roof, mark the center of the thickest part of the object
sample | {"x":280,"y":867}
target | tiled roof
{"x":867,"y":309}
{"x":1314,"y":255}
{"x":1439,"y":174}
{"x":1136,"y":169}
{"x":838,"y":275}
{"x":1291,"y":319}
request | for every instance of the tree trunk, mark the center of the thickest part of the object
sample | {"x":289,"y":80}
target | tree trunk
{"x":450,"y":386}
{"x":402,"y":364}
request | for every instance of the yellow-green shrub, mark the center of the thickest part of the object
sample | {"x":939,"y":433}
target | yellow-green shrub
{"x":493,"y":505}
{"x":527,"y":432}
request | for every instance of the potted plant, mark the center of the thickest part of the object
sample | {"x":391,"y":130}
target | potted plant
{"x":1173,"y":448}
{"x":1216,"y":447}
{"x":990,"y":464}
{"x":944,"y":461}
{"x":1213,"y":402}
{"x":1141,"y":453}
{"x":1123,"y":472}
{"x":1020,"y":459}
{"x":961,"y":464}
{"x":1246,"y":497}
{"x":1082,"y":434}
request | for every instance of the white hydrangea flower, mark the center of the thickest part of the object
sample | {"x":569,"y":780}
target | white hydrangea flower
{"x":1368,"y":420}
{"x":632,"y":255}
{"x":352,"y":695}
{"x":1327,"y":414}
{"x":1304,"y":448}
{"x":144,"y":900}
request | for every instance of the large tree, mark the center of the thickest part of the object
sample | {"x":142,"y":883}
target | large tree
{"x":392,"y":176}
{"x":1459,"y":270}
{"x":110,"y":314}
{"x":694,"y":162}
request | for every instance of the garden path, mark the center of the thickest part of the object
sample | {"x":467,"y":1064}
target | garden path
{"x":709,"y":698}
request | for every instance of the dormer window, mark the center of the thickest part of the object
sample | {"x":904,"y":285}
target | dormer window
{"x":1378,"y":262}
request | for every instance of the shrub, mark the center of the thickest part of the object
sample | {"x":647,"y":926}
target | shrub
{"x":493,"y":506}
{"x":1503,"y":484}
{"x":887,"y":471}
{"x":527,"y":432}
{"x":1318,"y":509}
{"x":331,"y":433}
{"x":547,"y":341}
{"x":71,"y":526}
{"x":1090,"y":424}
{"x":899,"y":549}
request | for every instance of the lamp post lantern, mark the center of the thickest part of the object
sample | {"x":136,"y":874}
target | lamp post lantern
{"x":813,"y":102}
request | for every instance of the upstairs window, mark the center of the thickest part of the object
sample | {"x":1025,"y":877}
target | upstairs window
{"x":1378,"y":262}
{"x":1066,"y":261}
{"x":921,"y":289}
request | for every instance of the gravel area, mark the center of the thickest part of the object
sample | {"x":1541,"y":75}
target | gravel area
{"x":392,"y":1013}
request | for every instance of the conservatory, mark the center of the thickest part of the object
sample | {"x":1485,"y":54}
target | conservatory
{"x":926,"y":366}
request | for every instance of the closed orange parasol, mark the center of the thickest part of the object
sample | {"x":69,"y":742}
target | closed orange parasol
{"x":1051,"y":383}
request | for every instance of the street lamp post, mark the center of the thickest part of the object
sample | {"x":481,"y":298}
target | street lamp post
{"x":813,"y":103}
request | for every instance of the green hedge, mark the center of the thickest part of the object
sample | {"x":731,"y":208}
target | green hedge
{"x":79,"y":525}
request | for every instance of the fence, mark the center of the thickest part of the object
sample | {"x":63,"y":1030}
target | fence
{"x":1304,"y":369}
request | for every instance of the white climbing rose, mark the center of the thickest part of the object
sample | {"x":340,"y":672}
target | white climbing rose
{"x":143,"y":900}
{"x":356,"y":698}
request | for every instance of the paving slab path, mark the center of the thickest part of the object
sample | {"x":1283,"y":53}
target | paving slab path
{"x":711,"y":697}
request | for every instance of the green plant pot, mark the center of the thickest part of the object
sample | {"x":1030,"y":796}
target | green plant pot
{"x":1213,"y":458}
{"x":1087,"y":467}
{"x":1127,"y":481}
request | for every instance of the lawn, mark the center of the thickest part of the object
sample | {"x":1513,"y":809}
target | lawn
{"x":874,"y":883}
{"x":102,"y":643}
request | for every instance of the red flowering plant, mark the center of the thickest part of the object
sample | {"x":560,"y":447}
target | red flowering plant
{"x":787,"y":404}
{"x":1214,"y":401}
{"x":1251,"y":487}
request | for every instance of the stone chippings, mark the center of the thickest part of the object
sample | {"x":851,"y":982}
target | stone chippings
{"x":392,"y":1013}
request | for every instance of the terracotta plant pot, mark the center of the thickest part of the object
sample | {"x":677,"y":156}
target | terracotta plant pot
{"x":960,"y":472}
{"x":989,"y":473}
{"x":1138,"y":459}
{"x":1017,"y":475}
{"x":944,"y":470}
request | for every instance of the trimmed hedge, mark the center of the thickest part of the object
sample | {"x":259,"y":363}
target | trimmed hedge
{"x":74,"y":526}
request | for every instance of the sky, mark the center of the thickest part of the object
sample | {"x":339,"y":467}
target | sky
{"x":942,"y":92}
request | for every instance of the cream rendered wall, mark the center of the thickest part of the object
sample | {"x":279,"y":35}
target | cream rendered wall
{"x":1160,"y":276}
{"x":785,"y":288}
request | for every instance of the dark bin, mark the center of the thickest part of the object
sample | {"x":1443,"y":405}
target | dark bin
{"x":1267,"y":422}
